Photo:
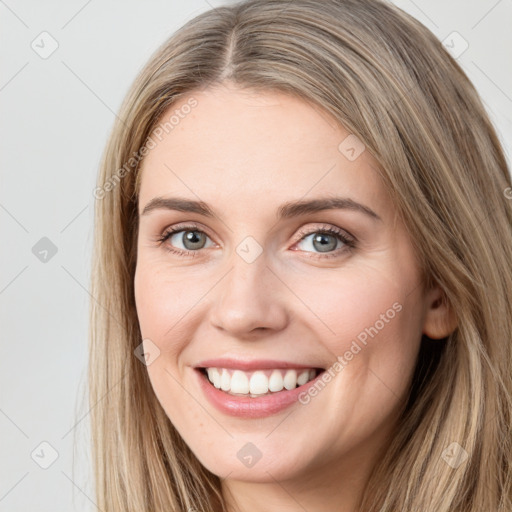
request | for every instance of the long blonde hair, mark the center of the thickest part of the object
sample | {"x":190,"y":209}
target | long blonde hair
{"x":389,"y":81}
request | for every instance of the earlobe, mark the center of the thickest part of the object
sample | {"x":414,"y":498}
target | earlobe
{"x":440,"y":319}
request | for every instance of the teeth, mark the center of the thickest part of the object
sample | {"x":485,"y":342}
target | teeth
{"x":260,"y":382}
{"x":258,"y":385}
{"x":239,"y":382}
{"x":303,"y":377}
{"x":225,"y":380}
{"x":275,"y":383}
{"x":290,"y":379}
{"x":214,"y":376}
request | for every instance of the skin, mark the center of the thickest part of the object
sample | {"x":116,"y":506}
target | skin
{"x":245,"y":154}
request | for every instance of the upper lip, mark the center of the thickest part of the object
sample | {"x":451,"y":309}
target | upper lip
{"x":248,"y":365}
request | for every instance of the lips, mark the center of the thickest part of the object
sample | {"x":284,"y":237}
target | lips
{"x":248,"y":365}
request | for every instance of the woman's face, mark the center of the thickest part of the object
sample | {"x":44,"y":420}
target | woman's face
{"x":261,"y":295}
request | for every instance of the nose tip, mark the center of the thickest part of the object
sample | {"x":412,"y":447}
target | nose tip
{"x":248,"y":301}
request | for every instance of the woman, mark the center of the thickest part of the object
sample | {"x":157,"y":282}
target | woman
{"x":234,"y":365}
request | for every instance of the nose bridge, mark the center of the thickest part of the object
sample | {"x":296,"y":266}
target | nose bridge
{"x":247,"y":297}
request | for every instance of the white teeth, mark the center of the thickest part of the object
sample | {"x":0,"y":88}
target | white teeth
{"x":239,"y":382}
{"x":225,"y":380}
{"x":214,"y":376}
{"x":303,"y":377}
{"x":259,"y":382}
{"x":275,"y":383}
{"x":290,"y":379}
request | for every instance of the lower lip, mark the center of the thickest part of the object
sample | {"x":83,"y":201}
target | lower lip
{"x":247,"y":407}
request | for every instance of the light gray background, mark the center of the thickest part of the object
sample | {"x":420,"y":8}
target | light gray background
{"x":55,"y":116}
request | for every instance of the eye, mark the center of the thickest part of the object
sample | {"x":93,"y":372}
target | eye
{"x":192,"y":239}
{"x":325,"y":240}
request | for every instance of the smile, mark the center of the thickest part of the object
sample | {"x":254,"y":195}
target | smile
{"x":254,"y":389}
{"x":260,"y":382}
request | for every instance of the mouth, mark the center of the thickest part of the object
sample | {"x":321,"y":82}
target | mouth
{"x":256,"y":388}
{"x":259,"y":382}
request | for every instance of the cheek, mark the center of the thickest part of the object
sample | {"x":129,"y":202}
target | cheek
{"x":371,"y":319}
{"x":162,"y":306}
{"x":356,"y":304}
{"x":374,"y":331}
{"x":166,"y":303}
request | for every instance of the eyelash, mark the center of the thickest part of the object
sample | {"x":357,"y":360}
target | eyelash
{"x":350,"y":242}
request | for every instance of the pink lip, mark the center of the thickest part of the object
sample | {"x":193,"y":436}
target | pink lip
{"x":255,"y":364}
{"x":247,"y":407}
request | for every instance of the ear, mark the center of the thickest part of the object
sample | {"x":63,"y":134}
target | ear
{"x":440,"y":319}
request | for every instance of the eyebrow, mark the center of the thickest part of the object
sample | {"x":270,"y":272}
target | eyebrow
{"x":287,"y":210}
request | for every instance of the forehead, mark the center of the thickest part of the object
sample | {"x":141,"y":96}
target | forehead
{"x":253,"y":148}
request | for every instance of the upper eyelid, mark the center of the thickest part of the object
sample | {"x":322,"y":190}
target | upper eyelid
{"x":176,"y":228}
{"x":327,"y":227}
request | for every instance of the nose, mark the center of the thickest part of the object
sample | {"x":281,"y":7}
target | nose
{"x":250,"y":299}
